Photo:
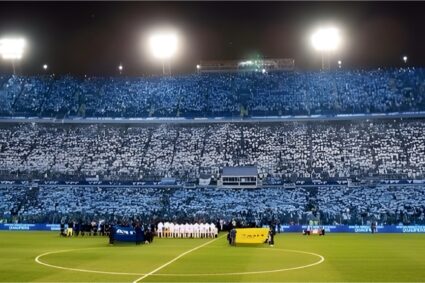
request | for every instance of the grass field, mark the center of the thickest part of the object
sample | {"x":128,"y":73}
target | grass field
{"x":294,"y":258}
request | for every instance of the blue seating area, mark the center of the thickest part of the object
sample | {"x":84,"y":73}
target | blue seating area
{"x":212,"y":95}
{"x":387,"y":204}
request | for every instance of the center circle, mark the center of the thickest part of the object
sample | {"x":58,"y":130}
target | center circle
{"x":294,"y":258}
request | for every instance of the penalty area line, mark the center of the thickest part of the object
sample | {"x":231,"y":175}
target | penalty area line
{"x":174,"y":259}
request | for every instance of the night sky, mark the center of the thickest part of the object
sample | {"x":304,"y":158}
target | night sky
{"x":93,"y":38}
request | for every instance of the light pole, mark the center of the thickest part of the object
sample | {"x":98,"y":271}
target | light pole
{"x":326,"y":40}
{"x":163,"y":46}
{"x":120,"y":68}
{"x":12,"y":49}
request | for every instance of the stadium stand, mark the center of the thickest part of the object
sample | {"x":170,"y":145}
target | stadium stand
{"x":332,"y":205}
{"x":316,"y":152}
{"x":212,"y":95}
{"x":296,"y":151}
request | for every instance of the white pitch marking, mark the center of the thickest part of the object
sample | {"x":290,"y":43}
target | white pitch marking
{"x":37,"y":259}
{"x":322,"y":259}
{"x":176,"y":258}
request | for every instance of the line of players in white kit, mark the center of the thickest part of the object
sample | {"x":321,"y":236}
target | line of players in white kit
{"x":196,"y":230}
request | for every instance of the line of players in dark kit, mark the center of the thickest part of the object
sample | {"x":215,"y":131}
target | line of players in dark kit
{"x":144,"y":233}
{"x":93,"y":228}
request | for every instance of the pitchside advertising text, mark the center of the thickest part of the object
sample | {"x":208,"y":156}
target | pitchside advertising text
{"x":283,"y":228}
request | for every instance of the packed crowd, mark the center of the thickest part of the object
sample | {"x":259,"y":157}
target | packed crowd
{"x":210,"y":95}
{"x":399,"y":204}
{"x":385,"y":204}
{"x":51,"y":203}
{"x":290,"y":151}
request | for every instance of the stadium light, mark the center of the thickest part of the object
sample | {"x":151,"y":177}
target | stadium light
{"x":163,"y":46}
{"x":12,"y":49}
{"x":120,"y":68}
{"x":405,"y":59}
{"x":326,"y":40}
{"x":45,"y":67}
{"x":339,"y":64}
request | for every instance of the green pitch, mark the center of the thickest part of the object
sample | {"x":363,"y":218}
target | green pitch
{"x":294,"y":258}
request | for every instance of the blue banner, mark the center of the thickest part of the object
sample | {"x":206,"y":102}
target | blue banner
{"x":275,"y":181}
{"x":126,"y":234}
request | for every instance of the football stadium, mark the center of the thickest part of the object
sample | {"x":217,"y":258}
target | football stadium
{"x":212,"y":142}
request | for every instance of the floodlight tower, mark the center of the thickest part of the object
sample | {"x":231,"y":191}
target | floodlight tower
{"x":163,"y":47}
{"x":12,"y":49}
{"x":326,"y":40}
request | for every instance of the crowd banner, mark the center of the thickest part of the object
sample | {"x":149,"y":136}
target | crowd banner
{"x":251,"y":235}
{"x":114,"y":184}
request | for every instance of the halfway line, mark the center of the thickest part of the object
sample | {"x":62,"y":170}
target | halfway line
{"x":174,"y":259}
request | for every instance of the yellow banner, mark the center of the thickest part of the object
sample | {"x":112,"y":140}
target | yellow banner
{"x":251,"y":235}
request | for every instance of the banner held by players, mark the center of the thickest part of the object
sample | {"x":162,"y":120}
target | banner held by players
{"x":251,"y":235}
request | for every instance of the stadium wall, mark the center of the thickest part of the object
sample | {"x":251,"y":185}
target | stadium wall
{"x":284,"y":228}
{"x":30,"y":227}
{"x":212,"y":120}
{"x":356,"y":228}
